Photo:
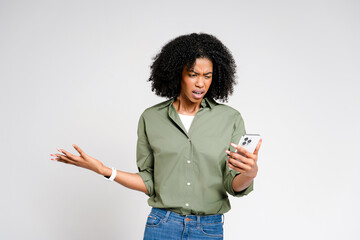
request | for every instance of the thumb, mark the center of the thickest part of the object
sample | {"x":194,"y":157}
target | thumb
{"x":82,"y":153}
{"x":258,"y":147}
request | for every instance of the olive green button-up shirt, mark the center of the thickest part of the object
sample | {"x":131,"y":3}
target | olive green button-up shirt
{"x":187,"y":172}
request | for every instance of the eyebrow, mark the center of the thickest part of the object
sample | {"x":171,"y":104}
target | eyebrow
{"x":198,"y":73}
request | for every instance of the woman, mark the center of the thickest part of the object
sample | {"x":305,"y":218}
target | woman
{"x":183,"y":149}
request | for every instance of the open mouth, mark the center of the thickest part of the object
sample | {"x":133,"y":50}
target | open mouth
{"x":198,"y":93}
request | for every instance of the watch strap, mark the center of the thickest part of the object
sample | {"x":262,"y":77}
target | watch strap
{"x":113,"y":175}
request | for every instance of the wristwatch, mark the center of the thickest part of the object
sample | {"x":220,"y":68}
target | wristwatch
{"x":113,"y":175}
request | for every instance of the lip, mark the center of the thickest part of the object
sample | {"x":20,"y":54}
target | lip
{"x":198,"y":93}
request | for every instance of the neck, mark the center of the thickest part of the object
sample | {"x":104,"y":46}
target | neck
{"x":186,"y":107}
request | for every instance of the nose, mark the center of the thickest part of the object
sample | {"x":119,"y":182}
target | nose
{"x":199,"y":82}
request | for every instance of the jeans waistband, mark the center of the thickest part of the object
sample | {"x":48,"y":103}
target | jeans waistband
{"x":200,"y":219}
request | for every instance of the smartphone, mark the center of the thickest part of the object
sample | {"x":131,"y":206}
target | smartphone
{"x":249,"y":142}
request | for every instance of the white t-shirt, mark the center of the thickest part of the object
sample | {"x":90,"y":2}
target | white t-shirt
{"x":186,"y":121}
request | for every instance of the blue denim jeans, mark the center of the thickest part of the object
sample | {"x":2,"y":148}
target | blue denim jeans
{"x":164,"y":224}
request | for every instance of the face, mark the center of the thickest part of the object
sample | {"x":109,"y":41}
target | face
{"x":196,"y":82}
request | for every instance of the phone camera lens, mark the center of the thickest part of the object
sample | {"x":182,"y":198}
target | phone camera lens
{"x":243,"y":143}
{"x":246,"y":139}
{"x":249,"y":141}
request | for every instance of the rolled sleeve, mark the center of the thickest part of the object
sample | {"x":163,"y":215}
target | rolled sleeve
{"x":144,"y":157}
{"x":228,"y":184}
{"x":148,"y":180}
{"x":230,"y":174}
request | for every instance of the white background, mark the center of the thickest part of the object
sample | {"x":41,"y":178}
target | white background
{"x":76,"y":72}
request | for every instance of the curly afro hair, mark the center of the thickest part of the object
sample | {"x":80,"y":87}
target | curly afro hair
{"x":166,"y":70}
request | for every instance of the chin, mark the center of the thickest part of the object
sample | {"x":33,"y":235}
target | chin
{"x":196,"y":100}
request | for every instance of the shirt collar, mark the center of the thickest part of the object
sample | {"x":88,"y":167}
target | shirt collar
{"x":206,"y":102}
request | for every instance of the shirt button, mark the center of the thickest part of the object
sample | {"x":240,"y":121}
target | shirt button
{"x":189,"y":139}
{"x":188,"y":161}
{"x":186,"y":204}
{"x":188,"y":184}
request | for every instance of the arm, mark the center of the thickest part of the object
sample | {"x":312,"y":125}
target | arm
{"x":129,"y":180}
{"x":141,"y":181}
{"x":145,"y":157}
{"x":241,"y":182}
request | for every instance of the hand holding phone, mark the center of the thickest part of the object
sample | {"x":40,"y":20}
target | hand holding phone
{"x":245,"y":161}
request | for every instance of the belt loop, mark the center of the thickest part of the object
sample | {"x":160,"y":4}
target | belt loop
{"x":198,"y":221}
{"x":166,"y":216}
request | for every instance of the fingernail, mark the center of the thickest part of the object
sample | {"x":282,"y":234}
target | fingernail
{"x":52,"y":155}
{"x":59,"y":150}
{"x":53,"y":159}
{"x":234,"y":145}
{"x":227,"y":151}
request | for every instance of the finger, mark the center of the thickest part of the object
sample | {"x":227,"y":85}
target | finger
{"x":243,"y":151}
{"x":66,"y":162}
{"x":235,"y":168}
{"x":239,"y":157}
{"x":239,"y":164}
{"x":258,"y":147}
{"x":82,"y":153}
{"x":64,"y":159}
{"x":69,"y":155}
{"x":56,"y":156}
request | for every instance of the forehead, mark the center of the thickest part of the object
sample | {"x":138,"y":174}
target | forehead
{"x":202,"y":64}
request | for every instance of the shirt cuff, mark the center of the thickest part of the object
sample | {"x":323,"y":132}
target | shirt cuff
{"x":244,"y":192}
{"x":148,"y":181}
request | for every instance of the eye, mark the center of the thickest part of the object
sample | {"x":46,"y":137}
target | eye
{"x":208,"y":77}
{"x":192,"y":75}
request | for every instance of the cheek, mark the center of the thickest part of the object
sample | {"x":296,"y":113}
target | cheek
{"x":187,"y":83}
